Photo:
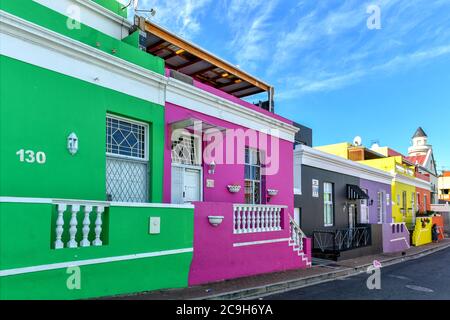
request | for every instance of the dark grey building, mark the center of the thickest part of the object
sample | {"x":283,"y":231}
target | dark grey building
{"x":304,"y":136}
{"x":312,"y":206}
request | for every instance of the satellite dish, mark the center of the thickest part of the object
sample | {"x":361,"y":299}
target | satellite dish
{"x":375,"y":146}
{"x":357,"y":141}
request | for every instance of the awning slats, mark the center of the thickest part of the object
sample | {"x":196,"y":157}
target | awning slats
{"x":354,"y":192}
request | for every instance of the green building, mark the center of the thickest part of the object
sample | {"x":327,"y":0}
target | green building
{"x":81,"y":157}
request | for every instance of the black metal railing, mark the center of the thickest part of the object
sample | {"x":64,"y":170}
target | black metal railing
{"x":335,"y":241}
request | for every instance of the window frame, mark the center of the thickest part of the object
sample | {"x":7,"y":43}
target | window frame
{"x":124,"y":158}
{"x":327,"y":203}
{"x":253,"y":181}
{"x":146,"y":139}
{"x":381,"y":209}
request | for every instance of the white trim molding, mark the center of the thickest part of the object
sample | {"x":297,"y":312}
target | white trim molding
{"x":94,"y":203}
{"x":322,"y":160}
{"x":33,"y":44}
{"x":255,"y":243}
{"x":188,"y":96}
{"x":412,"y":181}
{"x":54,"y":266}
{"x":93,"y":15}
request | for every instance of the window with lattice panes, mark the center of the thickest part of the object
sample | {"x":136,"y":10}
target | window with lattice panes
{"x":253,"y":178}
{"x":185,"y":150}
{"x":127,"y":172}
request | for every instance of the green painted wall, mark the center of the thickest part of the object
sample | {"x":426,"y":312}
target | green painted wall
{"x":43,"y":16}
{"x":113,"y":6}
{"x":40,"y":108}
{"x":25,"y":240}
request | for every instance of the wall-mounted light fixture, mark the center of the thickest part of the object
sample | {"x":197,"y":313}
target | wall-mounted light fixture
{"x":212,"y":167}
{"x":72,"y":143}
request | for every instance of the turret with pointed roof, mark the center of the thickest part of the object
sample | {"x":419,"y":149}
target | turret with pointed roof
{"x":419,"y":133}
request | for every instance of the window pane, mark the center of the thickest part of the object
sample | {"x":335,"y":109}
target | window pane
{"x":248,"y":192}
{"x":257,"y":193}
{"x":125,"y":138}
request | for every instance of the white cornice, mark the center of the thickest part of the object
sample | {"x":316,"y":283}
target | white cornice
{"x":28,"y":42}
{"x":93,"y":15}
{"x":412,"y":181}
{"x":105,"y":12}
{"x":188,"y":96}
{"x":322,"y":160}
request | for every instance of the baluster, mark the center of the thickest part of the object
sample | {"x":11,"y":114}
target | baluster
{"x":291,"y":230}
{"x":239,"y":226}
{"x":234,"y":219}
{"x":254,"y":219}
{"x":86,"y":227}
{"x":245,"y":220}
{"x":266,"y":219}
{"x":277,"y":218}
{"x":271,"y":219}
{"x":60,"y":226}
{"x":261,"y":226}
{"x":98,"y":227}
{"x":258,"y":219}
{"x":73,"y":227}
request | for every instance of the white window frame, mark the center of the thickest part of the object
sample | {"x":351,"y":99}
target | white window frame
{"x":328,"y":203}
{"x":146,"y":141}
{"x":144,"y":160}
{"x":381,"y":209}
{"x":251,"y":150}
{"x":365,"y":216}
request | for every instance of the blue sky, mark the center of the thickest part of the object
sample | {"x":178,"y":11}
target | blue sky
{"x":330,"y":71}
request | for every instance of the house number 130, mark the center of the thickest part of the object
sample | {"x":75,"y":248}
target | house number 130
{"x":31,"y":157}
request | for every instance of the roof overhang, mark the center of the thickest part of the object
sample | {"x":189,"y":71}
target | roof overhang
{"x":185,"y":57}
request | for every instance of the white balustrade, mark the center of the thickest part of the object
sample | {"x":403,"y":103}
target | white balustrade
{"x":256,"y":218}
{"x":73,"y":230}
{"x":297,"y":234}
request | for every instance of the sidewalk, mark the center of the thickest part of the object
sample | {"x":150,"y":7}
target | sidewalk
{"x":267,"y":284}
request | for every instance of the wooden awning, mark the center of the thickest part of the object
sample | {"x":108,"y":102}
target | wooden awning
{"x":189,"y":59}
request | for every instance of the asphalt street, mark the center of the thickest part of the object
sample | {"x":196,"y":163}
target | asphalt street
{"x":426,"y":278}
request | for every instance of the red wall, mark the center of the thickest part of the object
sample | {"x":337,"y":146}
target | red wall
{"x":424,"y":207}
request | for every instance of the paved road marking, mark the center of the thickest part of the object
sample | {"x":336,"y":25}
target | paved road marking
{"x":421,"y":289}
{"x":399,"y":277}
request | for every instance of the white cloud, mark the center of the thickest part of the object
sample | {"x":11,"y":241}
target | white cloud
{"x":324,"y":82}
{"x":250,"y":23}
{"x":179,"y":16}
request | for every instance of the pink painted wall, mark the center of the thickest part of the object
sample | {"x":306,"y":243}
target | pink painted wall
{"x":226,"y":174}
{"x":216,"y":259}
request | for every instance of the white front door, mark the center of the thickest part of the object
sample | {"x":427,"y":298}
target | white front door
{"x":186,"y":184}
{"x":191,"y":185}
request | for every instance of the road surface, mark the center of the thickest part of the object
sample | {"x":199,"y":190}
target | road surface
{"x":423,"y":278}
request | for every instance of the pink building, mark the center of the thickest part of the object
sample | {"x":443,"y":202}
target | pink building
{"x":233,"y":160}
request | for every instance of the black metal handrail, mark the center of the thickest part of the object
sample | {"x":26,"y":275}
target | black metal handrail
{"x":338,"y":240}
